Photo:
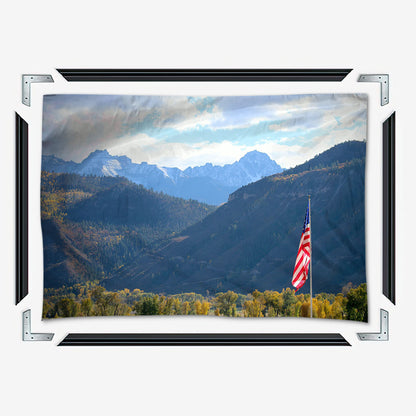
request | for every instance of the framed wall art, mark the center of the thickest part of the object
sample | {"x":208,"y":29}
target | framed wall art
{"x":206,"y":206}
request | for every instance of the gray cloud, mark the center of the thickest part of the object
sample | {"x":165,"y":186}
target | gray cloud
{"x":71,"y":130}
{"x":76,"y":125}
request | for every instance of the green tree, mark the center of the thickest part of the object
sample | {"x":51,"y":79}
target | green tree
{"x":86,"y":306}
{"x":225,"y":302}
{"x":97,"y":293}
{"x":356,"y":307}
{"x":147,"y":305}
{"x":47,"y":308}
{"x":289,"y":301}
{"x":113,"y":301}
{"x":274,"y":302}
{"x":67,"y":308}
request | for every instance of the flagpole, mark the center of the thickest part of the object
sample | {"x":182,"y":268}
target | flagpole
{"x":310,"y":236}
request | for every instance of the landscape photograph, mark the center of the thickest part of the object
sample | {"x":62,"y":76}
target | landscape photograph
{"x":178,"y":205}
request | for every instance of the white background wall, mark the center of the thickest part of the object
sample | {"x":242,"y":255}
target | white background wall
{"x":371,"y":37}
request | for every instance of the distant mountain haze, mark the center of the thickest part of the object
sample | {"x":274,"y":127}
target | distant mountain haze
{"x":209,"y":183}
{"x":250,"y":168}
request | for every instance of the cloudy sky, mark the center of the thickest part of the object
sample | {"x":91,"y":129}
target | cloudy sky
{"x":186,"y":131}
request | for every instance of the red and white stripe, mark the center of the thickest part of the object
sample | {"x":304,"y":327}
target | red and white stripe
{"x":300,"y":274}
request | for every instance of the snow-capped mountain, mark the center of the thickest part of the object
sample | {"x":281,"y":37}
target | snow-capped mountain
{"x":250,"y":168}
{"x":209,"y":183}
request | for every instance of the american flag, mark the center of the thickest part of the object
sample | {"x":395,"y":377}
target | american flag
{"x":300,"y":274}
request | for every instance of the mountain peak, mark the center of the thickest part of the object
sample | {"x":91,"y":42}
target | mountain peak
{"x":99,"y":153}
{"x":256,"y":152}
{"x":255,"y":155}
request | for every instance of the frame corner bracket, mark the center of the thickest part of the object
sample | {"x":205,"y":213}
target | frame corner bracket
{"x":27,"y":332}
{"x":383,"y":335}
{"x":27,"y":80}
{"x":383,"y":79}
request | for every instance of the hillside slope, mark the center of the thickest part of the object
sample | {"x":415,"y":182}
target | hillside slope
{"x":251,"y":242}
{"x":94,"y":225}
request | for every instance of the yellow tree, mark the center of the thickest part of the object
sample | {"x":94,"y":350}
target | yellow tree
{"x":198,"y":307}
{"x":186,"y":308}
{"x":176,"y":307}
{"x":305,"y":310}
{"x":336,"y":310}
{"x":254,"y":308}
{"x":205,"y":307}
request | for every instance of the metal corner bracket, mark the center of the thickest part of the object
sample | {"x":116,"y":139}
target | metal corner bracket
{"x":383,"y":79}
{"x":27,"y":80}
{"x":383,"y":335}
{"x":28,"y":335}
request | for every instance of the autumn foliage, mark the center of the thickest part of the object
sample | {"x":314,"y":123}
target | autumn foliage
{"x":92,"y":299}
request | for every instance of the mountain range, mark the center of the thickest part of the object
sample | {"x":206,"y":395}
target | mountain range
{"x":131,"y":237}
{"x":208,"y":183}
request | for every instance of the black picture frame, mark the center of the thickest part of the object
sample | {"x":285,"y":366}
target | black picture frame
{"x":198,"y":75}
{"x":204,"y":339}
{"x":204,"y":75}
{"x":22,"y":209}
{"x":389,"y":208}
